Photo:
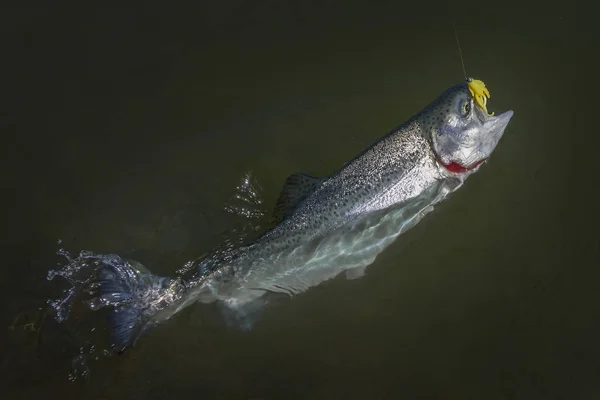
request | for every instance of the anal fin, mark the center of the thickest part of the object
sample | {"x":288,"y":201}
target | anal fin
{"x":355,"y":273}
{"x":242,"y":317}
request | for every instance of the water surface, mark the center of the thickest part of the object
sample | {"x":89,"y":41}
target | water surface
{"x":128,"y":130}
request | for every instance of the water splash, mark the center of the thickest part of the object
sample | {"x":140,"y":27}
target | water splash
{"x":187,"y":267}
{"x":81,"y":272}
{"x":79,"y":367}
{"x":247,"y":206}
{"x":247,"y":201}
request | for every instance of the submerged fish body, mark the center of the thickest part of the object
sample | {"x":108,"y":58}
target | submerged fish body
{"x":326,"y":226}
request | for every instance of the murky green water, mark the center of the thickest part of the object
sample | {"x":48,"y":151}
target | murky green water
{"x":130,"y":128}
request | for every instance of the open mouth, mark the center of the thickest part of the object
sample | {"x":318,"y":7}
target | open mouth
{"x":459,"y":169}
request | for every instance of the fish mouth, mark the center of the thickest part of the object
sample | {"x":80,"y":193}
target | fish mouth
{"x":456,"y":168}
{"x":494,"y":127}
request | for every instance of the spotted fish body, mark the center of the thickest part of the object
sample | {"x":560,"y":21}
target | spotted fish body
{"x":329,"y":225}
{"x":371,"y":183}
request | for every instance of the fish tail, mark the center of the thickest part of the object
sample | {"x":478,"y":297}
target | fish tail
{"x":136,"y":297}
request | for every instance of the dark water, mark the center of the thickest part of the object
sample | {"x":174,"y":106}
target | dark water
{"x":126,"y":130}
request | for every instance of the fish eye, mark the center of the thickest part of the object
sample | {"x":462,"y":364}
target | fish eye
{"x":465,"y":107}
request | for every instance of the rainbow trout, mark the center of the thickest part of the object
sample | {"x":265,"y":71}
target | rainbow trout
{"x":325,"y":226}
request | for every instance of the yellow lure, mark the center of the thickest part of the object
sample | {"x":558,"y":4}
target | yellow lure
{"x":480,"y":93}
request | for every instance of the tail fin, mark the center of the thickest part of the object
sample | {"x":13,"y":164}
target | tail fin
{"x":136,"y":297}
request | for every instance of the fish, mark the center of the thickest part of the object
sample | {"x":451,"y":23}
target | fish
{"x":323,"y":226}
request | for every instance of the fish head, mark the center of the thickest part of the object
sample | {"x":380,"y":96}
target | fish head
{"x":462,"y":133}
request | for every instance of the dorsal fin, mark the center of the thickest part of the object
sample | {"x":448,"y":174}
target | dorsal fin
{"x":296,"y":188}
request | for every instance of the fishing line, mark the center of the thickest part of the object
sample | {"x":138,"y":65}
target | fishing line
{"x":460,"y":52}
